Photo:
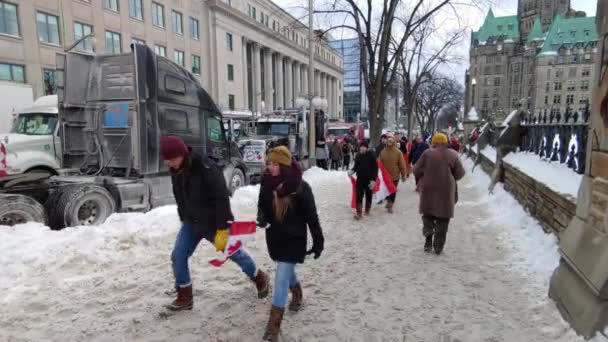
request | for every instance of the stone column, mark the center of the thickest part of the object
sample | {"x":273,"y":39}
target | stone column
{"x":280,"y":90}
{"x":317,"y":83}
{"x":288,"y":83}
{"x":268,"y":79}
{"x":245,"y":73}
{"x":332,"y":97}
{"x":305,"y":80}
{"x":322,"y":84}
{"x":297,"y":86}
{"x":257,"y":78}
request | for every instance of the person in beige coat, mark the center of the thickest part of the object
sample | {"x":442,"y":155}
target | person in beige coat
{"x":438,"y":169}
{"x":393,"y":161}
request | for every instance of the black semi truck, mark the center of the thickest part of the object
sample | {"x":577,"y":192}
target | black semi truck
{"x":113,"y":109}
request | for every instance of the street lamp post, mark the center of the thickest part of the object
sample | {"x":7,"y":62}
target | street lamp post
{"x":311,"y":78}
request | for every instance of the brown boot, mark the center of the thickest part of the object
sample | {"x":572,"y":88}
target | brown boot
{"x":184,"y":299}
{"x":262,"y":283}
{"x":274,"y":324}
{"x":389,"y":207}
{"x":368,"y":208}
{"x":296,"y":298}
{"x":359,"y":213}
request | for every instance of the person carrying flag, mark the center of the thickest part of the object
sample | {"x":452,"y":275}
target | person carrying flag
{"x":203,"y":207}
{"x":393,"y":161}
{"x":287,"y":206}
{"x":366,"y":169}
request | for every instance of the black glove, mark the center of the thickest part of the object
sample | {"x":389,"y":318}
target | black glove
{"x":317,"y":248}
{"x":263,"y":225}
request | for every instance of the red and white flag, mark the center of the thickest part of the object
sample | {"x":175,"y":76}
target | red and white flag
{"x":3,"y":166}
{"x":240,"y":232}
{"x":384,"y":186}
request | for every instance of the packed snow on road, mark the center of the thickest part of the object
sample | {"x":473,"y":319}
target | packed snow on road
{"x":373,"y":282}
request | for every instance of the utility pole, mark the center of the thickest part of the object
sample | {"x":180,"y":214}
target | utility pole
{"x":311,"y":80}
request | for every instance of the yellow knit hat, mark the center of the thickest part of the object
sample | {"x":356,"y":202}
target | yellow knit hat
{"x":280,"y":155}
{"x":439,"y":139}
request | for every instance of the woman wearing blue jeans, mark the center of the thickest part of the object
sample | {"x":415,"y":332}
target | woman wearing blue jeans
{"x":287,"y":206}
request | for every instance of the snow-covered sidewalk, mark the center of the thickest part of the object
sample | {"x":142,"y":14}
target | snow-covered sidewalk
{"x":372,"y":283}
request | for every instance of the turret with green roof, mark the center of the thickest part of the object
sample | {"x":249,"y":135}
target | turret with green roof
{"x":537,"y":31}
{"x":570,"y":33}
{"x":505,"y":28}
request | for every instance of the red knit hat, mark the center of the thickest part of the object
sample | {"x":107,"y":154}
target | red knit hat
{"x":172,"y":147}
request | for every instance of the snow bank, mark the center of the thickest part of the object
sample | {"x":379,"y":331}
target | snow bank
{"x":558,"y":177}
{"x":489,"y":152}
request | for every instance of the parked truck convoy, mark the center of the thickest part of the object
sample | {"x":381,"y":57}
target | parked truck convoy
{"x":113,"y":109}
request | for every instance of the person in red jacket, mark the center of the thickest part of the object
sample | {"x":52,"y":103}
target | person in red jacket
{"x":454,"y":144}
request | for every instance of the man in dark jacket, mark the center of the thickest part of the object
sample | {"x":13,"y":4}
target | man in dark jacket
{"x":336,"y":155}
{"x":347,"y":149}
{"x":381,"y":145}
{"x":417,"y":150}
{"x":203,"y":206}
{"x":366,"y":169}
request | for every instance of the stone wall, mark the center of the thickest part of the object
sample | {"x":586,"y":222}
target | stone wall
{"x":553,"y":210}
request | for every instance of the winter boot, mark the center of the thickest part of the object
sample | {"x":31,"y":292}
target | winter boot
{"x":296,"y":298}
{"x":184,"y":299}
{"x":262,"y":283}
{"x":389,"y":207}
{"x":273,"y":328}
{"x":359,"y":213}
{"x":368,"y":208}
{"x":428,"y":244}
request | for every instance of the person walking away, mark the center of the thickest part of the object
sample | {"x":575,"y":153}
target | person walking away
{"x":455,"y":144}
{"x":438,"y":169}
{"x":336,"y":155}
{"x":204,"y":210}
{"x":419,"y":147}
{"x":321,"y":155}
{"x":286,"y":203}
{"x":381,"y":145}
{"x":392,"y":159}
{"x":366,"y":169}
{"x":346,"y":155}
{"x":404,"y":148}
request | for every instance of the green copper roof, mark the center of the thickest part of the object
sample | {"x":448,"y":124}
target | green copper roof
{"x":570,"y":33}
{"x":537,"y":31}
{"x":498,"y":27}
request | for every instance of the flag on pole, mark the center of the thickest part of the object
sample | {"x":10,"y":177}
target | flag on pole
{"x":240,"y":232}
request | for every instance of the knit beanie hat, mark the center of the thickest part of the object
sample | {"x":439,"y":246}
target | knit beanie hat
{"x":172,"y":147}
{"x":280,"y":155}
{"x":439,"y":139}
{"x":365,"y":144}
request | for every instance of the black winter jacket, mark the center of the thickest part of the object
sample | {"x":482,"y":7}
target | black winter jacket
{"x":201,"y":195}
{"x":417,"y":151}
{"x":366,"y":167}
{"x":286,"y":240}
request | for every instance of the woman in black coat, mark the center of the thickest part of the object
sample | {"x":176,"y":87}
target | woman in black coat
{"x":287,"y":205}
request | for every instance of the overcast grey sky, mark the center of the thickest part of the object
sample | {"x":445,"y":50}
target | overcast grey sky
{"x":470,"y":17}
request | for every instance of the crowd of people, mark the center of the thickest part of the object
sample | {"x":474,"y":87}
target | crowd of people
{"x":287,"y":210}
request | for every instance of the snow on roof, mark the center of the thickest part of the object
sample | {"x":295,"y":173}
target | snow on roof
{"x":473,"y":116}
{"x":557,"y":177}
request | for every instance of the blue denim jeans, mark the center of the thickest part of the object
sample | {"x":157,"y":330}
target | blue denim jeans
{"x":284,"y":279}
{"x":186,"y":243}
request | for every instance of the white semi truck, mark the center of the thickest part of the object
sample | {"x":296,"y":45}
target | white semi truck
{"x":14,"y":96}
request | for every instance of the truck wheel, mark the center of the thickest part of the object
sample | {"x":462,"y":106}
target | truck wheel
{"x":237,"y":180}
{"x":17,"y":209}
{"x":81,"y":205}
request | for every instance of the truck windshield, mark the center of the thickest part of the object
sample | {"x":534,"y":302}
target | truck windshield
{"x":35,"y":124}
{"x":273,"y":128}
{"x":338,"y":131}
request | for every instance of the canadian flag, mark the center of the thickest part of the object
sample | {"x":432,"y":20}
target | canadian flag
{"x":384,"y":186}
{"x":3,"y":166}
{"x":240,"y":232}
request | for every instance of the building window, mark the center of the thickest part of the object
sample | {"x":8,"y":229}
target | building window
{"x":229,"y":41}
{"x":262,"y":17}
{"x":571,"y":86}
{"x":585,"y":85}
{"x":48,"y":28}
{"x":9,"y":24}
{"x":557,"y":99}
{"x":249,"y":10}
{"x":81,"y":30}
{"x":179,"y":57}
{"x":138,"y":41}
{"x":50,"y":83}
{"x":194,"y":29}
{"x":230,"y":72}
{"x":231,"y":102}
{"x":548,"y":73}
{"x":495,"y":104}
{"x":113,"y":42}
{"x":497,"y":81}
{"x":572,"y":72}
{"x":160,"y":50}
{"x":253,"y":14}
{"x":111,"y":5}
{"x":546,"y":100}
{"x":158,"y":15}
{"x":547,"y":87}
{"x":267,"y":21}
{"x":12,"y":72}
{"x":136,"y":9}
{"x":570,"y":99}
{"x":586,"y":72}
{"x":196,"y":64}
{"x":178,"y":26}
{"x":559,"y":73}
{"x":557,"y":86}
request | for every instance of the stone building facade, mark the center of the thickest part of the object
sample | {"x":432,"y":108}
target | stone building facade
{"x":248,"y":54}
{"x":541,"y":58}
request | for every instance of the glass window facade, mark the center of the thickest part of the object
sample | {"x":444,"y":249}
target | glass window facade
{"x":354,"y":92}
